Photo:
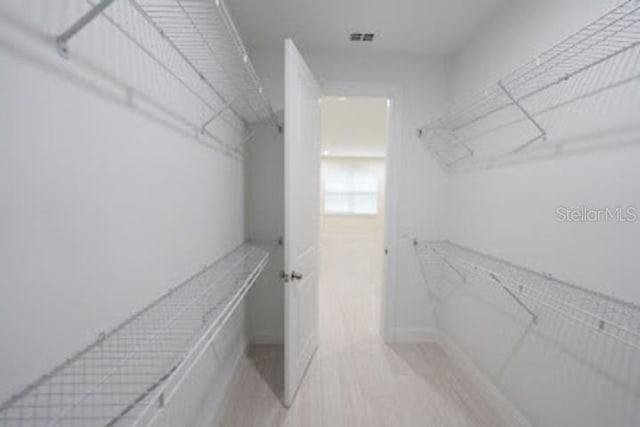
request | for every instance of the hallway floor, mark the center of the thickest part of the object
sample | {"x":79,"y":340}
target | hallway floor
{"x":356,"y":379}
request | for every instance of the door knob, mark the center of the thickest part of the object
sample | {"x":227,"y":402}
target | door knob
{"x":295,"y":275}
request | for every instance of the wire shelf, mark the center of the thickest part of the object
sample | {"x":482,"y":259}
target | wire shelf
{"x":182,"y":58}
{"x":131,"y":372}
{"x":532,"y":103}
{"x":205,"y":37}
{"x":445,"y":262}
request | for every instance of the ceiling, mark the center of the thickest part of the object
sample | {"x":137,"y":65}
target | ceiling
{"x":408,"y":26}
{"x":354,"y":126}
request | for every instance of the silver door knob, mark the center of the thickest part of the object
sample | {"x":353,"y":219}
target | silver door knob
{"x":295,"y":275}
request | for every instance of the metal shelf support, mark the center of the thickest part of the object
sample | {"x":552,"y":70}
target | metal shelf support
{"x":185,"y":28}
{"x":534,"y":122}
{"x":512,"y":294}
{"x":604,"y":53}
{"x":539,"y":293}
{"x":130,"y":373}
{"x":451,"y":266}
{"x":213,"y":118}
{"x":63,"y":39}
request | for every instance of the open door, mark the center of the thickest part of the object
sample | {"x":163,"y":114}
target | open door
{"x":301,"y":210}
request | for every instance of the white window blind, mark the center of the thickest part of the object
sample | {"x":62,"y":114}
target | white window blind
{"x":350,"y":192}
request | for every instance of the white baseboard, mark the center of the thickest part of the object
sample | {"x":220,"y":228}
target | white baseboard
{"x":412,"y":335}
{"x":481,"y":381}
{"x":267,"y":336}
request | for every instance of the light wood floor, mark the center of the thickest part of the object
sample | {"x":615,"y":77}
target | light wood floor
{"x":355,"y":378}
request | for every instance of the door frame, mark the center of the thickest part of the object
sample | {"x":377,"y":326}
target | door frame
{"x":392,"y":91}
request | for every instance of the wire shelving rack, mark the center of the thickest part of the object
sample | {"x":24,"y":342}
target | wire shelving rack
{"x":531,"y":290}
{"x":525,"y":106}
{"x":193,"y":43}
{"x":130,"y":373}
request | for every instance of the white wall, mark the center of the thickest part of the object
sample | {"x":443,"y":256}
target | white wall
{"x":558,"y":373}
{"x":517,"y":204}
{"x":102,"y":208}
{"x":420,"y":84}
{"x":264,"y":177}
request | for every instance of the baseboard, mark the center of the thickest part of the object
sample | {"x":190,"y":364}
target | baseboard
{"x":412,"y":335}
{"x":481,"y":381}
{"x":267,"y":336}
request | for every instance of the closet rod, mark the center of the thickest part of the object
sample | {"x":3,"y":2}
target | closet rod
{"x":177,"y":377}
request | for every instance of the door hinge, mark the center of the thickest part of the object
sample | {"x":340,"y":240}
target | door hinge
{"x":386,"y":251}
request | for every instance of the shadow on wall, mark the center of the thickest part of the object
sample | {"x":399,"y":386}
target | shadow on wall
{"x":527,"y":356}
{"x":127,"y":71}
{"x":600,"y":101}
{"x":586,"y":143}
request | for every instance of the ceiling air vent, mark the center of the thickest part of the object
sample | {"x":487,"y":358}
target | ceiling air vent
{"x":361,"y":37}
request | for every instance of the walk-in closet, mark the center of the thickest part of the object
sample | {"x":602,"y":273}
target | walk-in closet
{"x":319,"y":213}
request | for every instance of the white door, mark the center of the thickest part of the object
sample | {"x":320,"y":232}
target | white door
{"x":301,"y":210}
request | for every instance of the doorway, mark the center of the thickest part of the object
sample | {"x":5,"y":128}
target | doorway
{"x":354,"y":140}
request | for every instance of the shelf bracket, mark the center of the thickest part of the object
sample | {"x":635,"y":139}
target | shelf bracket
{"x":63,"y":39}
{"x":462,"y":143}
{"x":455,"y":139}
{"x":516,"y":298}
{"x":215,"y":116}
{"x":514,"y":101}
{"x":451,"y":138}
{"x":451,"y":266}
{"x":422,"y":272}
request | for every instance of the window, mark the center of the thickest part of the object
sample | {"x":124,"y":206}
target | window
{"x":350,"y":192}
